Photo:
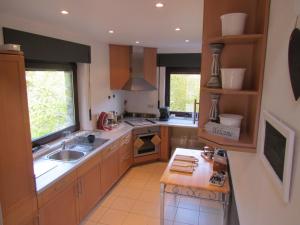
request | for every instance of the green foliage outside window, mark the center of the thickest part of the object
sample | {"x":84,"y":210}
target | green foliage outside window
{"x":184,"y":89}
{"x":50,"y":100}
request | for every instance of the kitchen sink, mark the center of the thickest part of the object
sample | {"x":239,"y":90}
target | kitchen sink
{"x":66,"y":155}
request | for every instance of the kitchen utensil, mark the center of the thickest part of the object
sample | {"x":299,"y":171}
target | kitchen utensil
{"x":164,"y":114}
{"x":102,"y":122}
{"x":233,"y":23}
{"x":232,"y":78}
{"x":91,"y":138}
{"x":232,"y":120}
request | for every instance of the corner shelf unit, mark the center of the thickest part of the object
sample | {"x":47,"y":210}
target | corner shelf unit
{"x":240,"y":51}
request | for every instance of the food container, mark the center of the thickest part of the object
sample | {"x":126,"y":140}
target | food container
{"x":233,"y":23}
{"x":232,"y":78}
{"x":231,"y":120}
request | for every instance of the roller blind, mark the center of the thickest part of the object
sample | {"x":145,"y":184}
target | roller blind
{"x":42,"y":48}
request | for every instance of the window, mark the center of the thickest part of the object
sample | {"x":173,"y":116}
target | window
{"x":52,"y":100}
{"x":182,"y":89}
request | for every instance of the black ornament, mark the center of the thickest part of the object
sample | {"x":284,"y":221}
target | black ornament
{"x":294,"y":62}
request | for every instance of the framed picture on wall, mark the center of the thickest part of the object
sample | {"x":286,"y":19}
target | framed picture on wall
{"x":276,"y":152}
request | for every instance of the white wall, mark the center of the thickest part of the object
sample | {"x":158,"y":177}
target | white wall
{"x":259,"y":201}
{"x":99,"y":67}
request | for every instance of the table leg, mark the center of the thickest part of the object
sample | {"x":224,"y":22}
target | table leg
{"x":162,"y":203}
{"x":226,"y":206}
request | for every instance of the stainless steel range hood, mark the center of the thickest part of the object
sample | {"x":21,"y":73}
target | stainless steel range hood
{"x":136,"y":81}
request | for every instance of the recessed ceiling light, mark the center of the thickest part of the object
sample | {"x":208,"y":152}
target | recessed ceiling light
{"x":64,"y":12}
{"x":137,"y":42}
{"x":111,"y":31}
{"x":187,"y":41}
{"x":159,"y":5}
{"x":177,"y":29}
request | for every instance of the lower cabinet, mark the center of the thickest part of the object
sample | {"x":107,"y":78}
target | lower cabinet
{"x":165,"y":143}
{"x":70,"y":199}
{"x":89,"y":190}
{"x":109,"y":167}
{"x":125,"y":154}
{"x":61,"y":209}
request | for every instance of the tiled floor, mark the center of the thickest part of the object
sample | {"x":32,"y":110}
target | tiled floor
{"x":135,"y":200}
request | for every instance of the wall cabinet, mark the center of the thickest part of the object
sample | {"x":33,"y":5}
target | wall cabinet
{"x":120,"y":65}
{"x":17,"y":184}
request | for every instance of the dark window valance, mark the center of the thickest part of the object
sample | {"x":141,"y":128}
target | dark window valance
{"x":187,"y":60}
{"x":42,"y":48}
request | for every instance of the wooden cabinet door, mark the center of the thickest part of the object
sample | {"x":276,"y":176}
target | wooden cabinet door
{"x":125,"y":155}
{"x":109,"y":168}
{"x":61,"y":209}
{"x":17,"y":183}
{"x":165,"y":143}
{"x":119,"y":61}
{"x":89,"y":186}
{"x":150,"y":63}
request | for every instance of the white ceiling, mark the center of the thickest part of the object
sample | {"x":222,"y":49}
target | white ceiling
{"x":131,"y":20}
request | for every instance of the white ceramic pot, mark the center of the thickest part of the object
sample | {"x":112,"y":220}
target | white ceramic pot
{"x":232,"y":120}
{"x":232,"y":78}
{"x":233,"y":23}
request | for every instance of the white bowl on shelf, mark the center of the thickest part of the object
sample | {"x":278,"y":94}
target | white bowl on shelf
{"x":233,"y":78}
{"x":233,"y":23}
{"x":231,"y":120}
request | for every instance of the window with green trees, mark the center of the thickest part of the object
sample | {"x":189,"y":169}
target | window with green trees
{"x":50,"y":100}
{"x":182,"y":90}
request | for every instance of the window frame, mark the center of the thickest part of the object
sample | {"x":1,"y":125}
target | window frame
{"x":39,"y":66}
{"x":178,"y":70}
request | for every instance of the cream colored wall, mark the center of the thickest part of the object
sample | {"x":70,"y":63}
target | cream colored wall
{"x":99,"y":67}
{"x":260,"y":201}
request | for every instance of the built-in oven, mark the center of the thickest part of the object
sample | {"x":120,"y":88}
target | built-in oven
{"x":146,"y":140}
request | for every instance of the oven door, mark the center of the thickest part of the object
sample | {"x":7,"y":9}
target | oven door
{"x":147,"y":148}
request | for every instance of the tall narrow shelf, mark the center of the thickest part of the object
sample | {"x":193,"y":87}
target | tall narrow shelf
{"x":240,"y":51}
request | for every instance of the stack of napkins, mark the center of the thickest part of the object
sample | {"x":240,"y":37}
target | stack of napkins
{"x":184,"y":164}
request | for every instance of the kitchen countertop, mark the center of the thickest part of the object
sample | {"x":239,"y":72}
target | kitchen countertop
{"x":60,"y":169}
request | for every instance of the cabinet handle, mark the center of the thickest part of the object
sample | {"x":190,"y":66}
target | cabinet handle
{"x":81,"y":187}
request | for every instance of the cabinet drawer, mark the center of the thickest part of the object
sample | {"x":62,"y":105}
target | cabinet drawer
{"x":111,"y":149}
{"x":49,"y":193}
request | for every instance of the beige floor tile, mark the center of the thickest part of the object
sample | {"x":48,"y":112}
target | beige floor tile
{"x":150,"y":196}
{"x":146,"y":208}
{"x":124,"y":204}
{"x":113,"y":217}
{"x":132,"y":193}
{"x":152,"y":187}
{"x":135,"y":219}
{"x":156,"y":221}
{"x":189,"y":203}
{"x":96,"y":214}
{"x":187,"y":216}
{"x":107,"y":201}
{"x":137,"y":183}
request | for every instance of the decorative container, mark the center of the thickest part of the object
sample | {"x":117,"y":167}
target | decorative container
{"x":232,"y":78}
{"x":233,"y":23}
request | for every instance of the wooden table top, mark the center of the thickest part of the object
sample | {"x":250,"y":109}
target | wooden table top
{"x":200,"y":177}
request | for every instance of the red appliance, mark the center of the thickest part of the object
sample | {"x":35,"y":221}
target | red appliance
{"x":102,"y":122}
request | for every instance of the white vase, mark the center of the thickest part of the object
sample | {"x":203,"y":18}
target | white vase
{"x":233,"y":23}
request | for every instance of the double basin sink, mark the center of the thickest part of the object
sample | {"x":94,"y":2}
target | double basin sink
{"x":74,"y":152}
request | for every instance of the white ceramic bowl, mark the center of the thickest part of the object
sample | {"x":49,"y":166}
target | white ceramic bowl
{"x":232,"y":120}
{"x":233,"y":23}
{"x":232,"y":78}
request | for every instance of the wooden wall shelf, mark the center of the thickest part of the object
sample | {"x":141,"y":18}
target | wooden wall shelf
{"x":240,"y":51}
{"x":229,"y":92}
{"x":236,"y":39}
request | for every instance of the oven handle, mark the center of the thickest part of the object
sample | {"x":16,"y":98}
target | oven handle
{"x":144,"y":135}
